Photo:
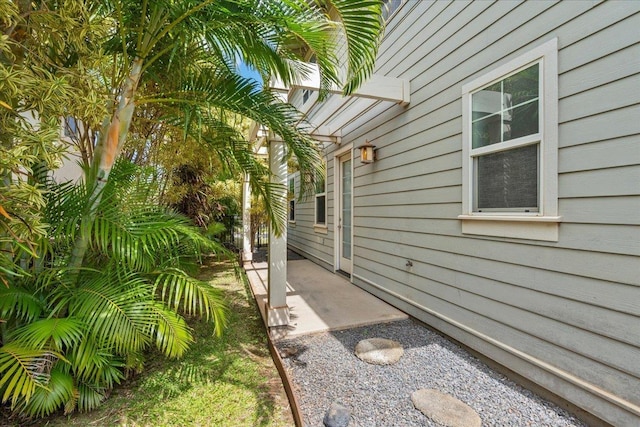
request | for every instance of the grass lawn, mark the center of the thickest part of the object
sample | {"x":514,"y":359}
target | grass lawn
{"x":230,"y":381}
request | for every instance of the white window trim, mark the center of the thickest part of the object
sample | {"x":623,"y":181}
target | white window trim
{"x":292,"y":199}
{"x":541,"y":225}
{"x":321,"y":229}
{"x":394,"y":11}
{"x":347,"y":148}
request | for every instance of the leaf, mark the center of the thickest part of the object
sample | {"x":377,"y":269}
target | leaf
{"x":19,"y":303}
{"x":58,"y":392}
{"x":180,"y":291}
{"x":22,"y":370}
{"x":363,"y":28}
{"x":90,"y":396}
{"x":172,"y":333}
{"x":96,"y":365}
{"x":116,"y":309}
{"x":56,"y":333}
{"x":2,"y":211}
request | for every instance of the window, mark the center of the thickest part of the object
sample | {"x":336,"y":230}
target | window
{"x":70,"y":127}
{"x":292,"y":199}
{"x":306,"y":94}
{"x":389,"y":7}
{"x":320,"y":200}
{"x":510,"y":149}
{"x":505,"y":138}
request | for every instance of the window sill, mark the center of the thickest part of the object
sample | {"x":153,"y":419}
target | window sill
{"x":322,"y":229}
{"x":292,"y":223}
{"x":519,"y":227}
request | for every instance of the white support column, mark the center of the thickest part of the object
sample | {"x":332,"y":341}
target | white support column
{"x":247,"y":253}
{"x":277,"y":309}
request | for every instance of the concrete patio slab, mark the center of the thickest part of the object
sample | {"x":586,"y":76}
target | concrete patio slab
{"x":321,"y":301}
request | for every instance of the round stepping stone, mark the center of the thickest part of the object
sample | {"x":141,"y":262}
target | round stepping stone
{"x":337,"y":416}
{"x":379,"y":351}
{"x":445,"y":409}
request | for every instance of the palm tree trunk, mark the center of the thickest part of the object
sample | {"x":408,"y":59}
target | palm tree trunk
{"x":105,"y":157}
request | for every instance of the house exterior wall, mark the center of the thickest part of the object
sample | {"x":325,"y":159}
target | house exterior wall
{"x":564,"y":314}
{"x":303,"y":236}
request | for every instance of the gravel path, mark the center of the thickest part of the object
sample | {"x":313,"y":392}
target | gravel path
{"x":324,"y":369}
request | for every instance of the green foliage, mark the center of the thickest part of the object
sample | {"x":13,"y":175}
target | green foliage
{"x":200,"y":192}
{"x":94,"y":274}
{"x":44,"y":52}
{"x":198,"y":43}
{"x":69,"y":336}
{"x":217,"y":382}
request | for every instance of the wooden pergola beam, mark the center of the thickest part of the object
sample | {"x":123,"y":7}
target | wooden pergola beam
{"x":377,"y":87}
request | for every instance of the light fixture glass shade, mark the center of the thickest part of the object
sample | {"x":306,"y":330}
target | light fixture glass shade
{"x":367,"y":152}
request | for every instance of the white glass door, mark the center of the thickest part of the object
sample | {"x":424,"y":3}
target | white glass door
{"x":345,"y":214}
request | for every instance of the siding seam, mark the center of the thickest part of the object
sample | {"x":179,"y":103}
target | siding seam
{"x":567,"y":322}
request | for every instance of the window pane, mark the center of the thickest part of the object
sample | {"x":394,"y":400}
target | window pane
{"x":320,"y":210}
{"x":486,"y":131}
{"x":486,"y":109}
{"x":388,"y":7}
{"x":521,"y":121}
{"x":508,"y":180}
{"x":319,"y":183}
{"x":345,"y":189}
{"x":507,"y":109}
{"x":487,"y":101}
{"x":522,"y":86}
{"x":292,"y":210}
{"x":346,"y":242}
{"x":70,"y":127}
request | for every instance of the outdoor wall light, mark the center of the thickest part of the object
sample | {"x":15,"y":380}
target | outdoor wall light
{"x":367,"y":152}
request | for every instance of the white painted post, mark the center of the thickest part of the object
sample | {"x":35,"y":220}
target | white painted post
{"x":277,"y":309}
{"x":247,"y":253}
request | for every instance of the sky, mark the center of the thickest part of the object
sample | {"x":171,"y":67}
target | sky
{"x":248,"y":72}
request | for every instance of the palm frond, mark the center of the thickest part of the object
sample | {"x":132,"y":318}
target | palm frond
{"x":90,"y":396}
{"x":22,"y":370}
{"x":362,"y":25}
{"x":19,"y":303}
{"x":194,"y":297}
{"x":214,"y":89}
{"x":57,"y":334}
{"x":115,"y":307}
{"x":59,"y":392}
{"x":92,"y":364}
{"x":172,"y":335}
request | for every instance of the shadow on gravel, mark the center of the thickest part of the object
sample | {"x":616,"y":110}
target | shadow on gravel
{"x":325,"y":370}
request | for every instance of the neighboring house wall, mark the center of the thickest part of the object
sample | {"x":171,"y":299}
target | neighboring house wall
{"x":564,"y":314}
{"x":71,"y":168}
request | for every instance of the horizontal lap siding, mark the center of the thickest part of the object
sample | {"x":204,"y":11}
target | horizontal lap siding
{"x":530,"y":313}
{"x":301,"y":236}
{"x":572,"y":305}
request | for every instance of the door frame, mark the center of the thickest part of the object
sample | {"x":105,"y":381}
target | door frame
{"x":337,"y":203}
